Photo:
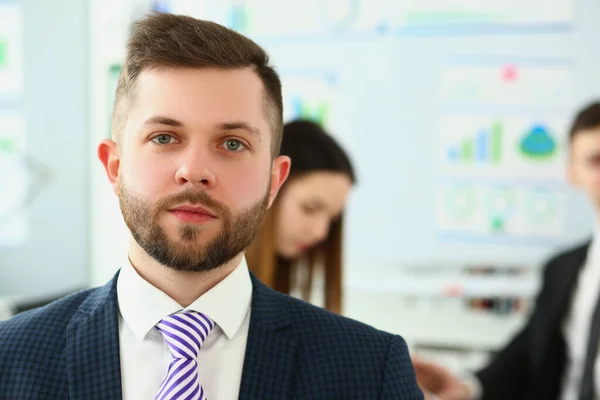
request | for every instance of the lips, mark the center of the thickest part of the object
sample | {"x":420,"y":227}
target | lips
{"x":192,"y":214}
{"x":303,"y":247}
{"x":193,"y":209}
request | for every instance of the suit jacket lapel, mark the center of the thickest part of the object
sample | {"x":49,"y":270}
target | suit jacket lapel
{"x":552,"y":348}
{"x":566,"y":281}
{"x":271,"y":349}
{"x":92,"y":347}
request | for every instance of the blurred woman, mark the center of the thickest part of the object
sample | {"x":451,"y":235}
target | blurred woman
{"x":302,"y":232}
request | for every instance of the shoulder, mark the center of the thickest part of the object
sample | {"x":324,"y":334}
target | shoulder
{"x":325,"y":332}
{"x":44,"y":326}
{"x":350,"y":351}
{"x":308,"y":317}
{"x":318,"y":329}
{"x":571,"y":257}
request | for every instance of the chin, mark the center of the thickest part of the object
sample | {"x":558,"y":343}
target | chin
{"x":289,"y":254}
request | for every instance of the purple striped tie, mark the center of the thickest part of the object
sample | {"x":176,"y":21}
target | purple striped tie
{"x":184,"y":333}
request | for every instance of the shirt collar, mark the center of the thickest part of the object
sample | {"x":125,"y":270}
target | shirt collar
{"x":142,"y":305}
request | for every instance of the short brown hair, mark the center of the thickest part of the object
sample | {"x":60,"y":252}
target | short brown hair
{"x":587,"y":118}
{"x":176,"y":41}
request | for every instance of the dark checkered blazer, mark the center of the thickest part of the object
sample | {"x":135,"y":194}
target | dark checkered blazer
{"x":69,"y":349}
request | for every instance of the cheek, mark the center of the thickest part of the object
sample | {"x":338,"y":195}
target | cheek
{"x":148,"y":177}
{"x":292,"y":221}
{"x":594,"y":181}
{"x":590,"y":176}
{"x":248,"y":182}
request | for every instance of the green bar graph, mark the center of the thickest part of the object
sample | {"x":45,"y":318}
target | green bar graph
{"x":467,"y":150}
{"x":484,"y":146}
{"x":7,"y":145}
{"x":3,"y":52}
{"x":496,"y":145}
{"x":317,"y":112}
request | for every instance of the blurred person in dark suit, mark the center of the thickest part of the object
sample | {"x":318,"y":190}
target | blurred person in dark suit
{"x":555,"y":355}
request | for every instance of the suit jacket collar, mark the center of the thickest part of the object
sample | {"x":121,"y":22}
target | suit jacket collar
{"x":92,"y":340}
{"x":271,"y":348}
{"x":565,"y":284}
{"x":92,"y":345}
{"x":552,"y":347}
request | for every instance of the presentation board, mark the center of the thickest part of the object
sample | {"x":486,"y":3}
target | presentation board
{"x":455,"y":114}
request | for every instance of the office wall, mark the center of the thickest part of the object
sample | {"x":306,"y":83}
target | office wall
{"x":52,"y":257}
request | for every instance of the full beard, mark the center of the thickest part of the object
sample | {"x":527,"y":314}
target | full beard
{"x":186,"y":254}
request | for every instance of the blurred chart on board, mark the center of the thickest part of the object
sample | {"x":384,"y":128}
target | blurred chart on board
{"x":485,"y":83}
{"x":496,"y":210}
{"x":309,"y":96}
{"x":436,"y":13}
{"x":11,"y":51}
{"x":309,"y":17}
{"x":490,"y":146}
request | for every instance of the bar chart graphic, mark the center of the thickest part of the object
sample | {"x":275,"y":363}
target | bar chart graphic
{"x":315,"y":111}
{"x":484,"y":147}
{"x":309,"y":97}
{"x":492,"y":146}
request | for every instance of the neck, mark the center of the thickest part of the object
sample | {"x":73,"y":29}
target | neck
{"x":182,"y":286}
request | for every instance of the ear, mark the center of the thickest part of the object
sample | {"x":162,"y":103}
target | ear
{"x":279,"y":173}
{"x":108,"y":153}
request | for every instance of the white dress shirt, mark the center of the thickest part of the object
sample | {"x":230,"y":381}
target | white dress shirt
{"x":144,"y":354}
{"x":577,"y":324}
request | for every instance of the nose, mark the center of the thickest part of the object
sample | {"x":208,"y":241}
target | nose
{"x":194,"y":169}
{"x":320,"y":229}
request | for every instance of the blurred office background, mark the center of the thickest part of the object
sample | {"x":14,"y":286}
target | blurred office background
{"x":455,"y":113}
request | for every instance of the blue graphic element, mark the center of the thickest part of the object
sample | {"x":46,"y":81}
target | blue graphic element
{"x":482,"y":146}
{"x":538,"y":143}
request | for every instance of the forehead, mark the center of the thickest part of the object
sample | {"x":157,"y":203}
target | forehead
{"x":200,"y":96}
{"x":328,"y":187}
{"x":586,"y":141}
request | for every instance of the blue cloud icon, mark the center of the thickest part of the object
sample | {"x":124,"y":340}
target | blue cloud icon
{"x":538,"y":143}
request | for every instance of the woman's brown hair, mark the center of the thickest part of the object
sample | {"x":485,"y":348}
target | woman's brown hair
{"x":311,"y":149}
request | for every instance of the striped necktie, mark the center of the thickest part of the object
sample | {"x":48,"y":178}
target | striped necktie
{"x":184,"y":333}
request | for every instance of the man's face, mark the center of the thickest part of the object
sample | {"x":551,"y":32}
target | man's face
{"x":194,"y":168}
{"x":584,"y":167}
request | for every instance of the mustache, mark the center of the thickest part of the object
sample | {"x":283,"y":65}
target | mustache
{"x":191,"y":196}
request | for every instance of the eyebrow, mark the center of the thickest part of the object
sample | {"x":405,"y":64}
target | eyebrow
{"x":161,"y":120}
{"x":318,"y":203}
{"x":231,"y":126}
{"x":226,"y":126}
{"x":593,"y":157}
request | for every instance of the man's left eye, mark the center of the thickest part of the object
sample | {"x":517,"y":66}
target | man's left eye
{"x":234,"y":145}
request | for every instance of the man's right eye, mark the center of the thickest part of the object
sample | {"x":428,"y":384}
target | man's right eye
{"x":162,"y":139}
{"x":308,"y":209}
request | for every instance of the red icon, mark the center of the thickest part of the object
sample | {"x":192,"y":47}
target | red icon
{"x":509,"y":73}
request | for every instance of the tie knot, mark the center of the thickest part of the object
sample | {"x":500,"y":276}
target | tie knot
{"x":185,"y":332}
